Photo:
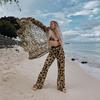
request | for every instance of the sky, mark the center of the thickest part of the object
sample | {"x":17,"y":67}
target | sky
{"x":76,"y":18}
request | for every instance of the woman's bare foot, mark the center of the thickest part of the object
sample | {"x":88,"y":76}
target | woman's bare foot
{"x":35,"y":87}
{"x":62,"y":90}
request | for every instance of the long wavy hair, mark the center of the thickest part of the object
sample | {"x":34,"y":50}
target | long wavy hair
{"x":57,"y":30}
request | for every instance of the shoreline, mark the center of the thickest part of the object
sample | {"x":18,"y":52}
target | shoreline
{"x":88,"y":68}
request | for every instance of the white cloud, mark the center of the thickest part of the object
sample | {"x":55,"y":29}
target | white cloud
{"x":71,"y":32}
{"x":87,"y":12}
{"x":91,"y":5}
{"x":1,"y":12}
{"x":96,"y":11}
{"x":89,"y":8}
{"x":60,"y":17}
{"x":81,"y":35}
{"x":97,"y":30}
{"x":98,"y":17}
{"x":83,"y":12}
{"x":93,"y":33}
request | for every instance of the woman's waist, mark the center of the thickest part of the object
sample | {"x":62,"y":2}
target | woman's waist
{"x":55,"y":46}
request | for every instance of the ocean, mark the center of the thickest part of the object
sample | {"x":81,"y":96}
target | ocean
{"x":85,"y":51}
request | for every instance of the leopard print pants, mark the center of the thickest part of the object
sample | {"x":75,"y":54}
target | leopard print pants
{"x":55,"y":52}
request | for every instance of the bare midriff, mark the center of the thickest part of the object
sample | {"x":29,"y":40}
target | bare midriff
{"x":54,"y":42}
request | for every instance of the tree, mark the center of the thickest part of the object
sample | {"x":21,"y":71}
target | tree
{"x":8,"y":26}
{"x":7,"y":29}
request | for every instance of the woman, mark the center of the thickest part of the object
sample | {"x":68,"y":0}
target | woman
{"x":55,"y":44}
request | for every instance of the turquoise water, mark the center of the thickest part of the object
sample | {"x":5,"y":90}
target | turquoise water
{"x":84,"y":51}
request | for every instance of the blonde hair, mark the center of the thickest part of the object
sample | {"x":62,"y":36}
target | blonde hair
{"x":57,"y":30}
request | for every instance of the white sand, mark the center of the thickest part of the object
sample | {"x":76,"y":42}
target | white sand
{"x":18,"y":74}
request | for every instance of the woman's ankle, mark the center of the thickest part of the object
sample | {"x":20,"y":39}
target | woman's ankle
{"x":62,"y":89}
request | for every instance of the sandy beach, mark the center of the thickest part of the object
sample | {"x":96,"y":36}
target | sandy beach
{"x":18,"y":74}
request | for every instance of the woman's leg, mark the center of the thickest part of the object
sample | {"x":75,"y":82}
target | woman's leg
{"x":61,"y":69}
{"x":42,"y":76}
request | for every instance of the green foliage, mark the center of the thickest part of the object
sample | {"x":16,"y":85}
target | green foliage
{"x":8,"y":26}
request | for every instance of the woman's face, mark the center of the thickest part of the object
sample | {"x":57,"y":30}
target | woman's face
{"x":52,"y":25}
